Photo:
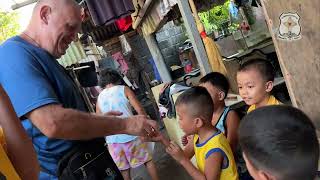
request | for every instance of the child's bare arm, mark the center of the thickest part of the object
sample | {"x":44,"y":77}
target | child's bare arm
{"x":233,"y":125}
{"x":192,"y":170}
{"x":98,"y":110}
{"x":213,"y":166}
{"x":176,"y":152}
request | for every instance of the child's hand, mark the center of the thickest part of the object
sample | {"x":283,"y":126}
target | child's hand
{"x":175,"y":151}
{"x":184,"y":140}
{"x":155,"y":138}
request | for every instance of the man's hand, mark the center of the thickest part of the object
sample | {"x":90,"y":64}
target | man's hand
{"x":113,"y":113}
{"x":140,"y":125}
{"x":176,"y":152}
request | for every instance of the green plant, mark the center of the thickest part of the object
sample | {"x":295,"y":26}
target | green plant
{"x":216,"y":18}
{"x":8,"y":25}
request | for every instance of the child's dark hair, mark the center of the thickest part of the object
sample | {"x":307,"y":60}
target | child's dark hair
{"x":218,"y":80}
{"x":281,"y":140}
{"x":264,"y":67}
{"x":198,"y":101}
{"x":109,"y":76}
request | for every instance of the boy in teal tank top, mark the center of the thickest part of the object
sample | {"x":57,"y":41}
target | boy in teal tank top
{"x":211,"y":148}
{"x":224,"y":118}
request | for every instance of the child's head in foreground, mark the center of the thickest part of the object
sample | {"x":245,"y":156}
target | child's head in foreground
{"x":217,"y":85}
{"x":255,"y":81}
{"x":194,"y":108}
{"x":280,"y":143}
{"x":109,"y":77}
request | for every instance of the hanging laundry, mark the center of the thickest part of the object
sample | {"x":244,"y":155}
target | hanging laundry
{"x":118,"y":56}
{"x":233,"y":10}
{"x":104,"y":12}
{"x":124,"y":24}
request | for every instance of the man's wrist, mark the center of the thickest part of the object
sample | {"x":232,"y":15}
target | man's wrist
{"x":123,"y":124}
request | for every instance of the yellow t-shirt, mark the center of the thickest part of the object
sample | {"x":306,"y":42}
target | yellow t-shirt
{"x":272,"y":101}
{"x":6,"y":168}
{"x":216,"y":143}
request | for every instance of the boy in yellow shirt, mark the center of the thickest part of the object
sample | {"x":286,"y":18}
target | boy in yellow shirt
{"x":211,"y":148}
{"x":255,"y":82}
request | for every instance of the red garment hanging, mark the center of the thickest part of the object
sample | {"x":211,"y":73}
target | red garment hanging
{"x":124,"y":24}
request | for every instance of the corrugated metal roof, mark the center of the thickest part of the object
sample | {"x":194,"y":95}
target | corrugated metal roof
{"x":74,"y":54}
{"x":16,"y":4}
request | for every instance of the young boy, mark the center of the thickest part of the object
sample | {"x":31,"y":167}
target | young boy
{"x":279,"y":143}
{"x":210,"y":147}
{"x":255,"y":82}
{"x":224,"y":119}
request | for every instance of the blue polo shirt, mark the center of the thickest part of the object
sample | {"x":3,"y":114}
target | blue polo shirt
{"x":33,"y":78}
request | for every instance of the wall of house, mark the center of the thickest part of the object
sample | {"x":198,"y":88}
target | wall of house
{"x":169,"y":38}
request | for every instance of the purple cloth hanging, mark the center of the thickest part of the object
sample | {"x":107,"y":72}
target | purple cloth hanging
{"x":104,"y":12}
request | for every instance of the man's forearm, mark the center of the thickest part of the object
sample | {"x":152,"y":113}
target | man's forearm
{"x":81,"y":125}
{"x":54,"y":121}
{"x":63,"y":123}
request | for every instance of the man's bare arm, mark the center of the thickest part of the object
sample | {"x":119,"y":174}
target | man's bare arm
{"x":57,"y":122}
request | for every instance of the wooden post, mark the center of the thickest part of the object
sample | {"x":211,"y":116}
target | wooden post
{"x":158,"y":58}
{"x":300,"y":58}
{"x":194,"y":36}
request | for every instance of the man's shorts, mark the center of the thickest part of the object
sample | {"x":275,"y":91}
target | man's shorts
{"x":131,"y":154}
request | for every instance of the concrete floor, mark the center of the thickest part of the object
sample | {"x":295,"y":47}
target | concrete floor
{"x":167,"y":167}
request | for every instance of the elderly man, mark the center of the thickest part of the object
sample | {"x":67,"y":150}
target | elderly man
{"x":45,"y":97}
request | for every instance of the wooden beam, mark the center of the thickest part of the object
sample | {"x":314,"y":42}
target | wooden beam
{"x":158,"y":58}
{"x":299,"y":59}
{"x":22,"y":4}
{"x":194,"y":36}
{"x":141,"y":13}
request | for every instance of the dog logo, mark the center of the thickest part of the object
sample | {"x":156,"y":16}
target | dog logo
{"x":290,"y":28}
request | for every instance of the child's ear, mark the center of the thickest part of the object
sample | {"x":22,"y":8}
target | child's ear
{"x":257,"y":173}
{"x":269,"y":86}
{"x":222,"y":95}
{"x":265,"y":176}
{"x":198,"y":122}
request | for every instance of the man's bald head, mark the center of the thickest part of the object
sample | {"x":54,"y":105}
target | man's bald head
{"x":54,"y":25}
{"x":57,"y":4}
